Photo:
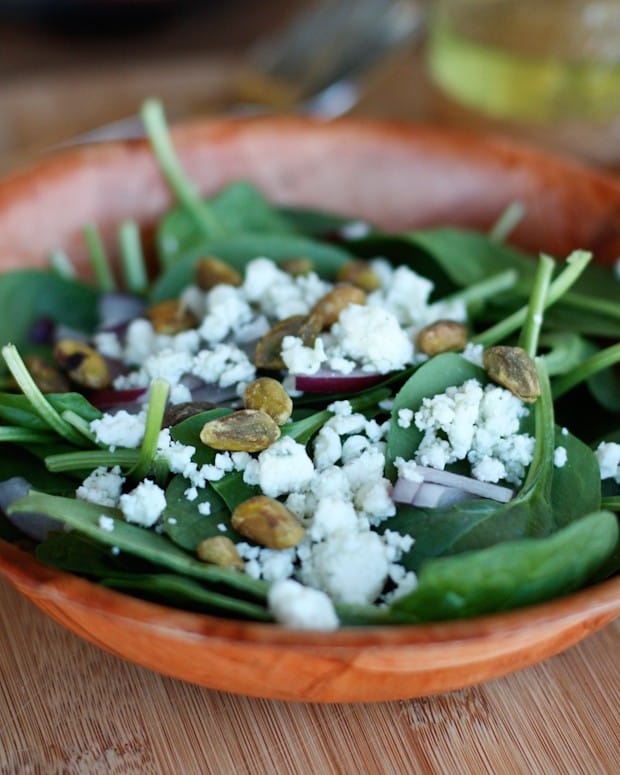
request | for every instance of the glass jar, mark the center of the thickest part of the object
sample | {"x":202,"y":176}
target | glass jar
{"x":545,"y":69}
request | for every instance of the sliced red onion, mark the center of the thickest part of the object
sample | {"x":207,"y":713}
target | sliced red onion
{"x":472,"y":486}
{"x":328,"y":381}
{"x":34,"y":524}
{"x":438,"y":496}
{"x":118,"y":399}
{"x":116,"y":310}
{"x":405,"y":490}
{"x":42,"y":331}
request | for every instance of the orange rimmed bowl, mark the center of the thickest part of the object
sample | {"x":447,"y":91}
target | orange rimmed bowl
{"x":397,"y":176}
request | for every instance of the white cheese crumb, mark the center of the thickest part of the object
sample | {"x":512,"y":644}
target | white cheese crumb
{"x":120,"y":429}
{"x":608,"y":456}
{"x":560,"y":457}
{"x":144,"y":504}
{"x":405,"y":416}
{"x":480,"y":425}
{"x":473,"y":353}
{"x":301,"y":608}
{"x":372,"y":337}
{"x":350,"y":568}
{"x":204,"y":508}
{"x":284,"y":467}
{"x":102,"y":486}
{"x":106,"y":523}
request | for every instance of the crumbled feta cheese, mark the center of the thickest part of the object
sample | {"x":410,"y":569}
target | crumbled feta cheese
{"x":407,"y":469}
{"x":106,"y":523}
{"x":226,"y":309}
{"x":144,"y":504}
{"x":608,"y":456}
{"x":102,"y":486}
{"x":405,"y":416}
{"x":473,"y":353}
{"x":373,"y":337}
{"x":301,"y":608}
{"x":284,"y":467}
{"x":300,"y":359}
{"x":332,"y":515}
{"x":120,"y":429}
{"x":560,"y":457}
{"x":374,"y":498}
{"x":204,"y":508}
{"x":225,"y":365}
{"x":327,"y":448}
{"x":349,"y":567}
{"x":480,"y":425}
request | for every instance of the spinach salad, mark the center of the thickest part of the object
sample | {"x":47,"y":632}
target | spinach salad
{"x":303,"y":419}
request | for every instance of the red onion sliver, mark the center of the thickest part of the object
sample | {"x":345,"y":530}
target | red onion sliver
{"x":438,"y":496}
{"x":328,"y":381}
{"x":472,"y":486}
{"x":116,"y":399}
{"x":405,"y":490}
{"x":34,"y":524}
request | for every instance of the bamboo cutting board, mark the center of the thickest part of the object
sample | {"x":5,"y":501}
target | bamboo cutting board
{"x":67,"y":707}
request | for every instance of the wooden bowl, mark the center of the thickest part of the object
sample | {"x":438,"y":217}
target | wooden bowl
{"x":397,"y":176}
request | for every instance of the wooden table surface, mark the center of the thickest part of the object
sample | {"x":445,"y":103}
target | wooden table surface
{"x":67,"y":707}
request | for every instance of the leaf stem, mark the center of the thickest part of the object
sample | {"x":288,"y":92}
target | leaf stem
{"x":507,"y":222}
{"x":601,"y":360}
{"x":17,"y":435}
{"x":132,"y":257}
{"x":62,"y":264}
{"x":154,"y":417}
{"x":575,"y":265}
{"x":485,"y":289}
{"x":90,"y":459}
{"x":37,"y":400}
{"x":99,"y":258}
{"x":530,"y":333}
{"x":159,"y":136}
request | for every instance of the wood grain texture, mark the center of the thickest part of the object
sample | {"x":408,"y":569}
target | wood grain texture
{"x":68,"y":707}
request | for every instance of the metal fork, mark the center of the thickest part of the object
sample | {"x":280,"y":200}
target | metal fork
{"x":316,"y":65}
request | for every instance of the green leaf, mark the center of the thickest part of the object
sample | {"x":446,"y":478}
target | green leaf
{"x":134,"y":540}
{"x":186,"y":593}
{"x":28,"y":295}
{"x":239,"y":208}
{"x":185,"y":525}
{"x":239,"y":249}
{"x":512,"y":574}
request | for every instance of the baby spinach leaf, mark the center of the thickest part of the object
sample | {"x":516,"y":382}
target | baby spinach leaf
{"x":186,"y":593}
{"x":28,"y":295}
{"x":233,"y":490}
{"x":134,"y":540}
{"x":75,"y":553}
{"x":239,"y":208}
{"x":187,"y":432}
{"x":182,"y":521}
{"x":313,"y":223}
{"x":241,"y":248}
{"x":431,"y":378}
{"x":512,"y":574}
{"x":17,"y":461}
{"x":17,"y":409}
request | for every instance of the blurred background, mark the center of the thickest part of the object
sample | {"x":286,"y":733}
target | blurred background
{"x":548,"y":71}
